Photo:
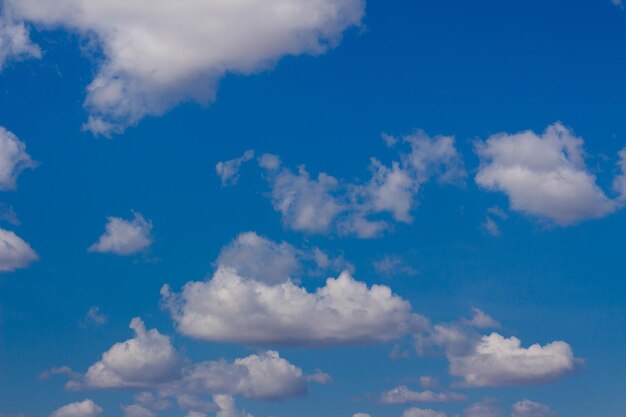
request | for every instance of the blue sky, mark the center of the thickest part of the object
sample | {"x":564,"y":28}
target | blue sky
{"x":455,"y":169}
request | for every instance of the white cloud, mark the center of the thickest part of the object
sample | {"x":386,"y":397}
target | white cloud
{"x":264,"y":376}
{"x":543,"y":175}
{"x":361,"y":415}
{"x":124,"y":237}
{"x":420,"y":412}
{"x":232,"y":308}
{"x":526,"y":408}
{"x":136,"y":410}
{"x":226,"y":407}
{"x":158,"y":54}
{"x":228,"y":171}
{"x":484,"y":408}
{"x":320,"y":377}
{"x":13,"y":159}
{"x":481,"y":320}
{"x":392,"y":265}
{"x":94,"y":317}
{"x":324,"y":204}
{"x":253,"y":256}
{"x":143,"y":361}
{"x":15,"y":44}
{"x":85,"y":408}
{"x":403,"y":395}
{"x":619,"y":185}
{"x":14,"y":252}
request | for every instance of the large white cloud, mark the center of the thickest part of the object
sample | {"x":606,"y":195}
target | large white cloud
{"x":85,"y":408}
{"x":323,"y":204}
{"x":158,"y":53}
{"x":124,"y":237}
{"x":232,"y":308}
{"x":543,"y":175}
{"x":14,"y":252}
{"x":13,"y":159}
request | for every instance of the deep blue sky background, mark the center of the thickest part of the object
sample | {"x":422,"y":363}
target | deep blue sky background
{"x":462,"y":68}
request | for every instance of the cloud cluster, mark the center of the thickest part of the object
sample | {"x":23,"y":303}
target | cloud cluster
{"x":124,"y":237}
{"x":152,"y":62}
{"x":323,"y":204}
{"x":231,"y":308}
{"x":543,"y":175}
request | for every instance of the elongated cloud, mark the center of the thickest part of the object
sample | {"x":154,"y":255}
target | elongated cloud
{"x":124,"y":237}
{"x":230,"y":308}
{"x":15,"y":253}
{"x":403,"y":395}
{"x":159,"y":53}
{"x":543,"y":175}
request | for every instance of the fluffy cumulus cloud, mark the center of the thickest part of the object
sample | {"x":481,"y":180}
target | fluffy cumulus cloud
{"x":403,"y":395}
{"x":14,"y":252}
{"x":264,"y":376}
{"x":13,"y":159}
{"x":228,"y":171}
{"x":85,"y":408}
{"x":323,"y":204}
{"x":527,"y":408}
{"x":160,"y":53}
{"x":145,"y":360}
{"x":124,"y":237}
{"x":494,"y":360}
{"x":543,"y":175}
{"x":422,"y":412}
{"x":232,"y":308}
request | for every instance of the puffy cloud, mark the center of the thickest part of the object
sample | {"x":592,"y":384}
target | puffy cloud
{"x":14,"y":252}
{"x":13,"y":158}
{"x":15,"y":44}
{"x":136,"y":410}
{"x":264,"y":376}
{"x":420,"y":412}
{"x":493,"y":360}
{"x":543,"y":175}
{"x":124,"y":237}
{"x":226,"y":407}
{"x":484,"y":408}
{"x":258,"y":258}
{"x":526,"y":408}
{"x":85,"y":408}
{"x":497,"y":361}
{"x":232,"y":308}
{"x":228,"y":171}
{"x":158,"y":54}
{"x":403,"y":395}
{"x":323,"y":204}
{"x":145,"y":360}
